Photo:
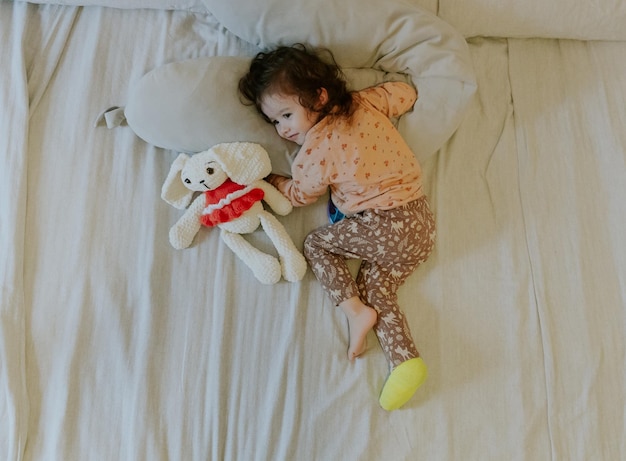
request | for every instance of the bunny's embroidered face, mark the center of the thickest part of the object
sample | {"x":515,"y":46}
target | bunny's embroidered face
{"x":202,"y":173}
{"x":241,"y":162}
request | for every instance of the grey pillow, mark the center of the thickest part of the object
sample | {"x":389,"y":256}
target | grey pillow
{"x":189,"y":106}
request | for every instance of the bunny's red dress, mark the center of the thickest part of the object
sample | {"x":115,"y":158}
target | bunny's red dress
{"x":228,"y":202}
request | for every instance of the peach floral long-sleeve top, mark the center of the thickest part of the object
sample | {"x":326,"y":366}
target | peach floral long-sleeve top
{"x":365,"y":162}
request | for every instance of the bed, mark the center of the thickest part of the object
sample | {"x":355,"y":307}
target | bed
{"x":115,"y":346}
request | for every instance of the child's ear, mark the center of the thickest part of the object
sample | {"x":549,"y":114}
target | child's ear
{"x":322,"y":97}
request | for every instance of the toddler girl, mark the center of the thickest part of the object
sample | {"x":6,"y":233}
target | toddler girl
{"x":349,"y":145}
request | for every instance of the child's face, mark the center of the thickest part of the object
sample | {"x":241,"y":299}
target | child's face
{"x":291,"y":119}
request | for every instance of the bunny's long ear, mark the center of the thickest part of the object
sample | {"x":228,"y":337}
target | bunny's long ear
{"x":174,"y":191}
{"x":243,"y":162}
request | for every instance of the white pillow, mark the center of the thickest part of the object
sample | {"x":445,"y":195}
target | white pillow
{"x":388,"y":35}
{"x":569,"y":19}
{"x":192,"y":5}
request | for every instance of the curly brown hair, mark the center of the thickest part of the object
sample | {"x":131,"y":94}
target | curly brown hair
{"x":300,"y":71}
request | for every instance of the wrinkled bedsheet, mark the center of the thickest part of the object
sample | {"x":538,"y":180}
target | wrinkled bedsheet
{"x":113,"y":345}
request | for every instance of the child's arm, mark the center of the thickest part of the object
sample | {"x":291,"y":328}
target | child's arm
{"x":296,"y":196}
{"x":277,"y":180}
{"x":391,"y":98}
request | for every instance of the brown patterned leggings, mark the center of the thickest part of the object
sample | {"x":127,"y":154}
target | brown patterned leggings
{"x":391,"y":244}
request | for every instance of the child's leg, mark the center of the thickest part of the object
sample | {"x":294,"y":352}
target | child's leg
{"x":393,"y":243}
{"x":326,"y":250}
{"x":378,"y":282}
{"x":361,"y":319}
{"x":407,"y":370}
{"x":379,"y":289}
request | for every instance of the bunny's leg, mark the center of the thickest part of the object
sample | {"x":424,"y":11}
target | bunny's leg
{"x":265,"y":268}
{"x":291,"y":260}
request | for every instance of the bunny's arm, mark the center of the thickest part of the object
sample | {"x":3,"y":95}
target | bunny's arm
{"x":277,"y":201}
{"x":188,"y":225}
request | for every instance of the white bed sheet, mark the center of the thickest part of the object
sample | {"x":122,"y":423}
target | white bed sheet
{"x":115,"y":346}
{"x":572,"y":163}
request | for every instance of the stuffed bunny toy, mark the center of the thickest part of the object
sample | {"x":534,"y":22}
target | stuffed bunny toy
{"x":230,"y":177}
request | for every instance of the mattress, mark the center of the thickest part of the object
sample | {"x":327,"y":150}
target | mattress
{"x":114,"y":345}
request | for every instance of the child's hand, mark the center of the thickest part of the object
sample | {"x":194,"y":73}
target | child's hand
{"x":276,"y":180}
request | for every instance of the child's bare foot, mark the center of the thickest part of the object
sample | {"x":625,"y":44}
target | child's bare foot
{"x":361,"y":319}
